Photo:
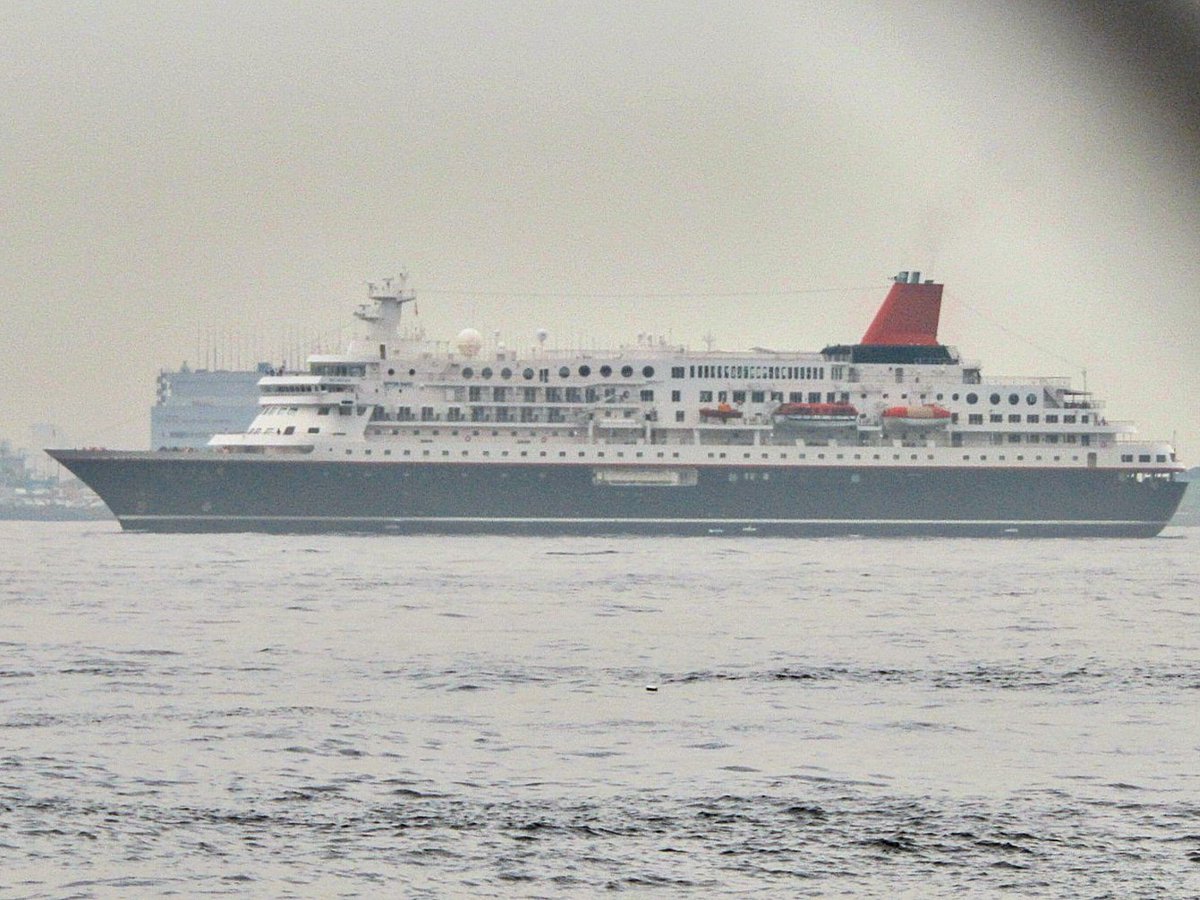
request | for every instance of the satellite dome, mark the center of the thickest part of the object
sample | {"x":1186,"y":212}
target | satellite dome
{"x":469,"y":342}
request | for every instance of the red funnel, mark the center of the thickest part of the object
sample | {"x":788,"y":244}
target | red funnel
{"x":909,"y":316}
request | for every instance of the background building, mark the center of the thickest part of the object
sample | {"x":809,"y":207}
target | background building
{"x":193,"y":405}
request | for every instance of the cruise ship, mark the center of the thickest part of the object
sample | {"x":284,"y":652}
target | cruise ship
{"x":893,"y":435}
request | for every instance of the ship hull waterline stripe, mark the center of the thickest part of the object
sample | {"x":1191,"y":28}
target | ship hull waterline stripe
{"x":516,"y":520}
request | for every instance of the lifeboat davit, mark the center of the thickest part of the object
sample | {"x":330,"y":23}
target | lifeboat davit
{"x":722,"y":412}
{"x":816,"y":415}
{"x":927,"y":415}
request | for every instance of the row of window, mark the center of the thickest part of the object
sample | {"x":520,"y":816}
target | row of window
{"x":499,"y":394}
{"x":788,"y":373}
{"x":585,"y":371}
{"x":340,"y":370}
{"x":996,"y":399}
{"x":307,"y":388}
{"x":1143,"y":457}
{"x":1031,"y":419}
{"x":714,"y":455}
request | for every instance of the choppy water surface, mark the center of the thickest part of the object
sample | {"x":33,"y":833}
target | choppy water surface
{"x":300,"y":716}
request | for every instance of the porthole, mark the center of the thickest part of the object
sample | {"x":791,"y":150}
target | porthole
{"x":527,"y":374}
{"x":468,"y":372}
{"x":648,"y":372}
{"x":1031,"y":399}
{"x":506,"y":373}
{"x":391,"y":371}
{"x":486,"y":373}
{"x":585,"y":371}
{"x":972,"y":398}
{"x":995,"y":399}
{"x":605,"y":371}
{"x":626,"y":371}
{"x":954,"y":396}
{"x":1014,"y":399}
{"x":412,"y":371}
{"x":564,"y":372}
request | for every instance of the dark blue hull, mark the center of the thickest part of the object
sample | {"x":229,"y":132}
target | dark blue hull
{"x":205,"y":492}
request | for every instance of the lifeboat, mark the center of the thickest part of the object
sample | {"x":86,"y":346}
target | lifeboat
{"x":927,"y":415}
{"x":722,"y":412}
{"x":816,"y":415}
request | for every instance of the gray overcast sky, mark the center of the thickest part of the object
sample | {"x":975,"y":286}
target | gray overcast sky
{"x":168,"y":170}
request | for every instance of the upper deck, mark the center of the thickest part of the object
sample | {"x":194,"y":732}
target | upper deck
{"x":896,"y":390}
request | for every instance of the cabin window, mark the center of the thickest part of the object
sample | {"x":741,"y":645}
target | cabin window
{"x":739,"y":396}
{"x":675,"y":396}
{"x":314,"y":431}
{"x":994,"y":399}
{"x":467,"y":372}
{"x":758,"y":397}
{"x":995,"y":417}
{"x":486,"y":373}
{"x":647,"y":371}
{"x":605,"y":371}
{"x":676,"y":371}
{"x":1051,"y":419}
{"x":564,"y":372}
{"x":647,"y":395}
{"x":1015,"y":418}
{"x":585,"y":371}
{"x":1032,"y":418}
{"x":972,"y":398}
{"x":679,"y":415}
{"x":975,"y":419}
{"x":706,"y":396}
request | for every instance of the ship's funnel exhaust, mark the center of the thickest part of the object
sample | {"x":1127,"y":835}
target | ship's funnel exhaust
{"x":909,"y":314}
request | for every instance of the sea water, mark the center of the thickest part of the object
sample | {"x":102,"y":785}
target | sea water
{"x":473,"y":716}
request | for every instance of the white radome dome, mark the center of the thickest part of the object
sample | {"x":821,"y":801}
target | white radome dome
{"x":469,"y":342}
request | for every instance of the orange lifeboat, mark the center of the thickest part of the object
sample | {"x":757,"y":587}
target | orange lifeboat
{"x":722,"y":412}
{"x":926,"y":415}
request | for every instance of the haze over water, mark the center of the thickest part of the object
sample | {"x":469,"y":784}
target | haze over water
{"x":300,"y":716}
